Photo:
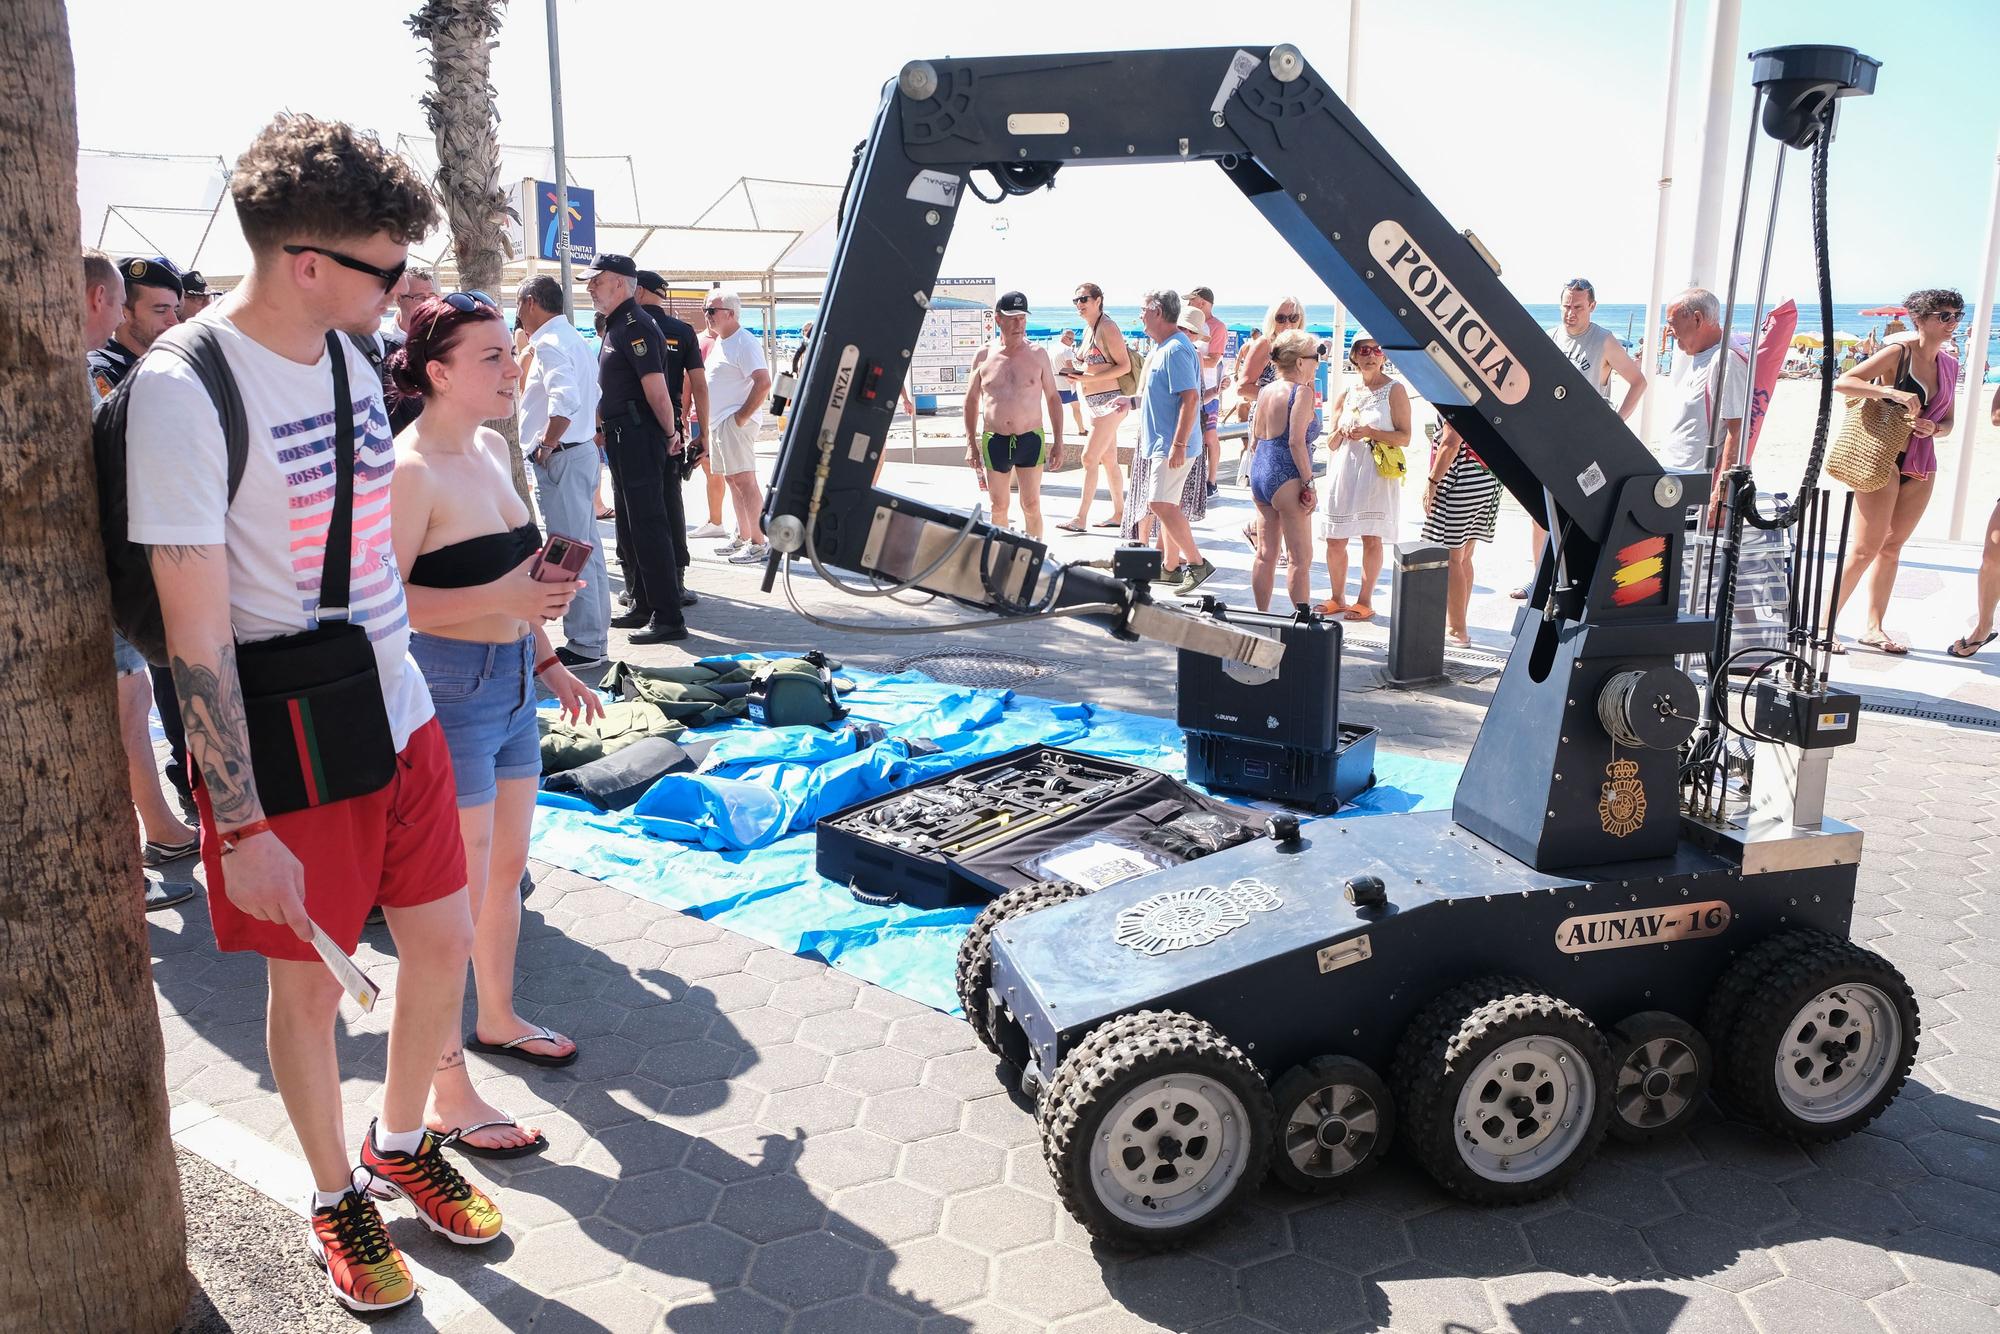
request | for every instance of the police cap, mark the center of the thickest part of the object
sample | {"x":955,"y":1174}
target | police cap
{"x":193,"y":284}
{"x":621,"y":265}
{"x":152,"y":273}
{"x":652,"y":282}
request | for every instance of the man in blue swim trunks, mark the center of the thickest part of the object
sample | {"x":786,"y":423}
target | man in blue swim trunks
{"x":1012,"y":385}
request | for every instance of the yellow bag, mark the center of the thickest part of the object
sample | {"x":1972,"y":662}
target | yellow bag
{"x":1874,"y":435}
{"x":1872,"y":438}
{"x":1389,"y":461}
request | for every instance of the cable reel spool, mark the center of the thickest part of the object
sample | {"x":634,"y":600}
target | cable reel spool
{"x":1649,"y":710}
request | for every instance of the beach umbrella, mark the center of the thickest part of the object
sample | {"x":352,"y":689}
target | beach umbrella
{"x":1842,"y":337}
{"x":1896,"y":311}
{"x":1807,"y":340}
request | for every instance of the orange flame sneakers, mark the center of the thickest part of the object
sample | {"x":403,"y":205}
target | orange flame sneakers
{"x":363,"y":1267}
{"x":451,"y":1206}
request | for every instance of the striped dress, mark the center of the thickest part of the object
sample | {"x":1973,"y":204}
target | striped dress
{"x":1467,"y":503}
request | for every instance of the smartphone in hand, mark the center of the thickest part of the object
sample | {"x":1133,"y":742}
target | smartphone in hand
{"x":562,"y":559}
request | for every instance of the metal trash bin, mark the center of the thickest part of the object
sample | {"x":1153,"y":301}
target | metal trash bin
{"x":1417,"y":586}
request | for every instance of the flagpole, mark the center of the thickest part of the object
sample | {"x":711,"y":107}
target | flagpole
{"x":1723,"y":59}
{"x":562,"y":167}
{"x":1649,"y":346}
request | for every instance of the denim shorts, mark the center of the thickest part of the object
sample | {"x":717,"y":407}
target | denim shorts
{"x":124,"y":658}
{"x":485,"y":698}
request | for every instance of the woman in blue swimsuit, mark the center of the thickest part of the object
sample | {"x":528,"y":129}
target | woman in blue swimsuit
{"x":1281,"y":469}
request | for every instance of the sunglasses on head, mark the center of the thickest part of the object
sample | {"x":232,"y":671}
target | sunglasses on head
{"x":465,"y":303}
{"x":390,"y":276}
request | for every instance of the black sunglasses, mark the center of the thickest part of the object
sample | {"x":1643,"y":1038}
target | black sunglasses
{"x":1289,"y":319}
{"x":713,"y":310}
{"x":389,"y":276}
{"x":465,"y":303}
{"x":1948,"y":316}
{"x":1079,"y":300}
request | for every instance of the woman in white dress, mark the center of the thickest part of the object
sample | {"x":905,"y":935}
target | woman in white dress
{"x":1360,"y":501}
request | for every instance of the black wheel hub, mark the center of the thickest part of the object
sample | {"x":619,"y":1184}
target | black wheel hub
{"x":1332,"y":1132}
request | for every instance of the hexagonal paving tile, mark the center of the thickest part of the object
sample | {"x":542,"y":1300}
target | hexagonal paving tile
{"x":857,"y":1315}
{"x":1733,"y":1197}
{"x":1842,"y":1264}
{"x":1420,"y":1296}
{"x":1916,"y":1310}
{"x":948,"y":1163}
{"x":1349,"y":1235}
{"x":1480,"y":1242}
{"x":1050,"y":1282}
{"x":660,"y":1201}
{"x":876,"y":1071}
{"x":737,"y":1311}
{"x":766,"y":1208}
{"x":1714,"y":1252}
{"x":846,"y":1158}
{"x":690,"y":1260}
{"x":1178,"y":1291}
{"x":887,"y":1212}
{"x":1294,"y":1292}
{"x":1588,"y":1247}
{"x":1790,"y":1305}
{"x":811,"y":1268}
{"x":568,"y":1254}
{"x":826,"y":994}
{"x":715,"y":958}
{"x":933,"y":1274}
{"x":999,"y":1219}
{"x":788,"y":1066}
{"x":838,"y":1031}
{"x":911,"y":1113}
{"x":817,"y":1110}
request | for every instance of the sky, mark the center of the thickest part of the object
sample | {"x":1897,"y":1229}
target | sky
{"x":1538,"y":126}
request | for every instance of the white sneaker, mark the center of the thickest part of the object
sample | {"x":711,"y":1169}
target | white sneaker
{"x":730,"y":548}
{"x":709,"y":530}
{"x":756,"y":554}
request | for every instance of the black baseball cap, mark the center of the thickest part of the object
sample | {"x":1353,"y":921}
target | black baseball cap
{"x":152,"y":273}
{"x":652,"y":282}
{"x":621,"y":265}
{"x":193,"y":284}
{"x":1011,"y":303}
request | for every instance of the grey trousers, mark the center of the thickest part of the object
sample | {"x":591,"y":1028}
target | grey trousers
{"x":567,"y":493}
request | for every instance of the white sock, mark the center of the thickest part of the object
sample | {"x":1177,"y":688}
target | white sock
{"x":323,"y":1199}
{"x":399,"y":1141}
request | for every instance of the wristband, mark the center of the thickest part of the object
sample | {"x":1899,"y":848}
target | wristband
{"x":546,"y":663}
{"x":231,"y":837}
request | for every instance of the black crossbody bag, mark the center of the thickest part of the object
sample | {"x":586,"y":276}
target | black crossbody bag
{"x":319,"y":730}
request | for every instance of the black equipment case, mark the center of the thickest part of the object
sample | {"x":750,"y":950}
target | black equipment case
{"x":1038,"y":813}
{"x":1283,"y":739}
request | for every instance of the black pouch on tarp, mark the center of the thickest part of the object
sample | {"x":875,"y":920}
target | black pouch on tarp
{"x":319,"y":731}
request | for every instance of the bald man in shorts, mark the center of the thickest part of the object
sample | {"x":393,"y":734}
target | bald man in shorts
{"x":1011,"y":385}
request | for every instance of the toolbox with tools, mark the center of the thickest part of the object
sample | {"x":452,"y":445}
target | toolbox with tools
{"x":1039,"y":813}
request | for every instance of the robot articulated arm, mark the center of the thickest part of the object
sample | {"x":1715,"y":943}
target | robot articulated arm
{"x":1430,"y":293}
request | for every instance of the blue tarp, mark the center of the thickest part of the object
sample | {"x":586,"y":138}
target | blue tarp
{"x":734,"y":844}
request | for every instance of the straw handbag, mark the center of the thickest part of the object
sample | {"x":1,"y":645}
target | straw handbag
{"x":1872,"y":438}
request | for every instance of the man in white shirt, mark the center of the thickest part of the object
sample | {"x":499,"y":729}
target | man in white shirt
{"x":558,"y":424}
{"x":738,"y":381}
{"x":329,"y":215}
{"x":1695,"y":317}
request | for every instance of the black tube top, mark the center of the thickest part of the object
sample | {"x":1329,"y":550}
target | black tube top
{"x":476,"y":560}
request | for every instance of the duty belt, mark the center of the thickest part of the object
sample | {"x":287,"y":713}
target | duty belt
{"x":630,"y":414}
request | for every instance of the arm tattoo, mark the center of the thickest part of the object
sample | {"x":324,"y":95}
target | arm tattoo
{"x":218,"y":735}
{"x":180,"y":555}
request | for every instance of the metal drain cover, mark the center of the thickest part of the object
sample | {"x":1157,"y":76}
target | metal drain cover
{"x":975,"y":667}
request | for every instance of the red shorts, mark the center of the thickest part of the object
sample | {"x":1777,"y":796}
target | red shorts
{"x":398,"y":848}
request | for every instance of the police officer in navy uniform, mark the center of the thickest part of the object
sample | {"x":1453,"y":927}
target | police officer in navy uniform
{"x":638,"y":426}
{"x":683,"y":355}
{"x":152,"y":306}
{"x":195,"y":295}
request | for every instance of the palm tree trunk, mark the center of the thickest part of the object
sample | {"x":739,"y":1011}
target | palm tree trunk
{"x":86,"y":1163}
{"x":462,"y":114}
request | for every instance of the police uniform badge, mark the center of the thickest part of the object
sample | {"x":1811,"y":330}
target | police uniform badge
{"x":638,"y":347}
{"x":1622,"y":807}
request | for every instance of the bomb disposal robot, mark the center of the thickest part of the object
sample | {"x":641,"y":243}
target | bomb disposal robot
{"x":1594,"y":933}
